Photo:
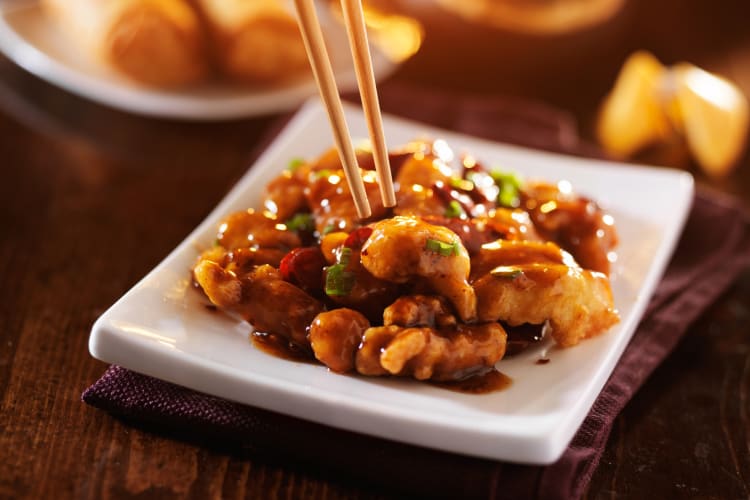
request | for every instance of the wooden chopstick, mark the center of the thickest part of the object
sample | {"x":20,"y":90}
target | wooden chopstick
{"x":323,"y":72}
{"x":355,"y":26}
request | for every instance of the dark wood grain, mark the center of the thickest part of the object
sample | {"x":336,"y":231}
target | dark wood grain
{"x":92,"y":198}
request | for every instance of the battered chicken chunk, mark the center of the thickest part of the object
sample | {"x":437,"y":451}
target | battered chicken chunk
{"x":416,"y":178}
{"x":257,"y":297}
{"x":251,"y":229}
{"x":576,"y":223}
{"x":428,"y":353}
{"x":497,"y":223}
{"x":419,"y":310}
{"x":421,"y":338}
{"x":520,"y":282}
{"x":331,"y":201}
{"x":404,"y":249}
{"x":285,"y":195}
{"x":334,"y":337}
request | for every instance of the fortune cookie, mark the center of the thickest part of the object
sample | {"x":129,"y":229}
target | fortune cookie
{"x":651,"y":104}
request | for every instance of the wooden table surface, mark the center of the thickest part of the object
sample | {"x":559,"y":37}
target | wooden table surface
{"x":93,"y":198}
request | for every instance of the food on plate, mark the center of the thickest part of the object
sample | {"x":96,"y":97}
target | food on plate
{"x":155,"y":42}
{"x":255,"y":41}
{"x":169,"y":43}
{"x":472,"y":263}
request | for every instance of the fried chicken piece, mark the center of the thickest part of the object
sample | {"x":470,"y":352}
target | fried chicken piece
{"x":426,"y":353}
{"x":369,"y":295}
{"x":513,"y":252}
{"x":497,"y":223}
{"x":223,"y":288}
{"x":334,"y":337}
{"x":416,"y":177}
{"x":285,"y":195}
{"x":419,"y":310}
{"x":404,"y":249}
{"x":257,"y":297}
{"x":332,"y":205}
{"x":523,"y":282}
{"x":574,"y":222}
{"x":252,"y":229}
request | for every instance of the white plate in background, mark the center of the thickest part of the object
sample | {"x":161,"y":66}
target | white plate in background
{"x":162,"y":328}
{"x":35,"y":43}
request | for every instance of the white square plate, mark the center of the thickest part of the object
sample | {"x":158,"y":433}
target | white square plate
{"x":161,"y":327}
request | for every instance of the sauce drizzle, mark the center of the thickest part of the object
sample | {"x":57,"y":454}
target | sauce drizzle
{"x":485,"y":383}
{"x":278,"y":346}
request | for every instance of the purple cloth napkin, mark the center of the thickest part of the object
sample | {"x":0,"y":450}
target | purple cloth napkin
{"x":714,"y":248}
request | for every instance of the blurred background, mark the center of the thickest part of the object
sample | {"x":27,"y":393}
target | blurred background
{"x":565,"y":54}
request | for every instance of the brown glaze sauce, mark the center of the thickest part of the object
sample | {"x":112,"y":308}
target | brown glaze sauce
{"x":485,"y":383}
{"x":278,"y":346}
{"x":522,"y":337}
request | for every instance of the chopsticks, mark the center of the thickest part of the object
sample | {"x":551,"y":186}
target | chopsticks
{"x":323,"y":72}
{"x":354,"y":20}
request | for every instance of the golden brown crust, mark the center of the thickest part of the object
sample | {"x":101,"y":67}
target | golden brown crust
{"x":154,"y":42}
{"x":255,"y":41}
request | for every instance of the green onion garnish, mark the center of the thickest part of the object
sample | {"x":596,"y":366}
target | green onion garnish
{"x":301,"y":222}
{"x":506,"y":272}
{"x":510,"y":188}
{"x":442,"y":248}
{"x":294,"y":164}
{"x":462,"y":184}
{"x":454,"y":209}
{"x":339,"y":281}
{"x":345,"y":256}
{"x":322,"y":174}
{"x":328,"y":229}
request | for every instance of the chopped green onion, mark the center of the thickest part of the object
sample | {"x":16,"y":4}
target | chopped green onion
{"x":444,"y":249}
{"x":462,"y":184}
{"x":339,"y":281}
{"x":345,"y":256}
{"x":508,"y":197}
{"x":328,"y":229}
{"x":454,"y":209}
{"x":510,"y":188}
{"x":506,"y":272}
{"x":294,"y":164}
{"x":322,"y":174}
{"x":301,"y":222}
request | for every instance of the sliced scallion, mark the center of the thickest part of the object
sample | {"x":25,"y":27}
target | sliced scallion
{"x":509,"y":184}
{"x":294,"y":164}
{"x":462,"y":184}
{"x":442,"y":248}
{"x":454,"y":209}
{"x":301,"y":222}
{"x":339,"y":281}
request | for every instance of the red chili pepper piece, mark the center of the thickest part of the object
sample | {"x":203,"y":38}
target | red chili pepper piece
{"x":357,"y":238}
{"x":303,"y":266}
